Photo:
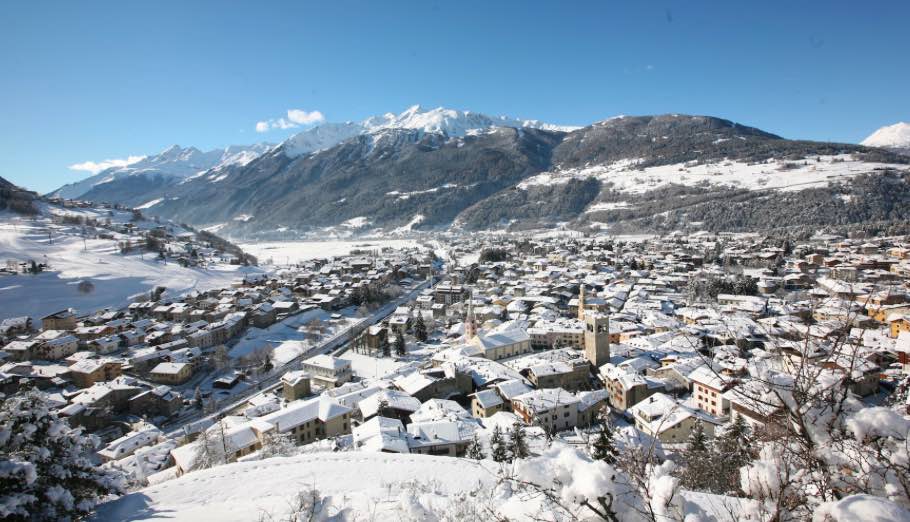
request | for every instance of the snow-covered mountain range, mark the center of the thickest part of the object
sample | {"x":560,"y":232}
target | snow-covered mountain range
{"x":190,"y":162}
{"x":445,"y":168}
{"x":174,"y":162}
{"x":448,"y":122}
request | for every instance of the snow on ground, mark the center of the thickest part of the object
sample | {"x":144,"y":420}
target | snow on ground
{"x":357,"y":222}
{"x":369,"y":367}
{"x":370,"y":483}
{"x":282,"y":252}
{"x":215,"y":228}
{"x":469,"y":259}
{"x":291,"y":337}
{"x":407,"y":195}
{"x":287,"y":338}
{"x":416,"y":220}
{"x":861,"y":507}
{"x":119,"y":216}
{"x":596,"y":207}
{"x":558,"y":233}
{"x":116,"y":278}
{"x":775,"y":174}
{"x":149,"y":204}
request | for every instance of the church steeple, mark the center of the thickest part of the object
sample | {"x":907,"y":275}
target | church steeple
{"x":470,"y":323}
{"x":581,"y":302}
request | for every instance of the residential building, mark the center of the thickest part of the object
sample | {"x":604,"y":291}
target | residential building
{"x":554,"y":409}
{"x":171,"y":373}
{"x":295,"y":385}
{"x":87,"y":372}
{"x":328,"y":371}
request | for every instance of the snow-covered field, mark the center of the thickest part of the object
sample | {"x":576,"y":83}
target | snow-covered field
{"x":404,"y":229}
{"x":369,"y":367}
{"x":289,"y":338}
{"x":776,"y":174}
{"x":116,"y":278}
{"x":284,"y":252}
{"x":379,"y":486}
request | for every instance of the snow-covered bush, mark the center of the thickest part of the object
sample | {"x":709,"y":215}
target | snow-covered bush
{"x":860,"y":507}
{"x":576,"y":486}
{"x":824,"y":445}
{"x":45,"y":469}
{"x":276,"y":444}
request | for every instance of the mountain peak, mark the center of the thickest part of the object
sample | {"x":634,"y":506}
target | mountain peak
{"x":891,"y":136}
{"x":175,"y":162}
{"x":414,"y":109}
{"x":440,"y":120}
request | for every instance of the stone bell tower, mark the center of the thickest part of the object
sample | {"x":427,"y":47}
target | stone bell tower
{"x":470,"y":323}
{"x":597,"y":338}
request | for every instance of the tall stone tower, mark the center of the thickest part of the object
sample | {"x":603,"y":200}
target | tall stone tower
{"x":597,"y":338}
{"x":581,"y":302}
{"x":470,"y":323}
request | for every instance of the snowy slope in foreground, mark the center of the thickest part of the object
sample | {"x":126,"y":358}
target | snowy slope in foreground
{"x":246,"y":491}
{"x":116,"y":278}
{"x":384,"y":486}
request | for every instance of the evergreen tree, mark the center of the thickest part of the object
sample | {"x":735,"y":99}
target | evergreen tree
{"x":693,"y":290}
{"x":197,"y":398}
{"x":603,"y":448}
{"x":498,"y":446}
{"x":518,"y":444}
{"x":400,"y":349}
{"x":698,"y":441}
{"x":420,"y":329}
{"x":734,"y":450}
{"x":45,"y":471}
{"x":475,"y":450}
{"x":699,"y":472}
{"x":386,"y":349}
{"x":266,"y":366}
{"x":382,"y":408}
{"x":736,"y":440}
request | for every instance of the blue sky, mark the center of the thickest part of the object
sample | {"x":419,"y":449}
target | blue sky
{"x":89,"y":81}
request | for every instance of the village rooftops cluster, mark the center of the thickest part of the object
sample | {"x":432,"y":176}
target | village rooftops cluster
{"x":150,"y":358}
{"x":666,"y":333}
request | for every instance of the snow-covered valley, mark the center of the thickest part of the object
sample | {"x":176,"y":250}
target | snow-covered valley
{"x":113,"y":278}
{"x":290,"y":252}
